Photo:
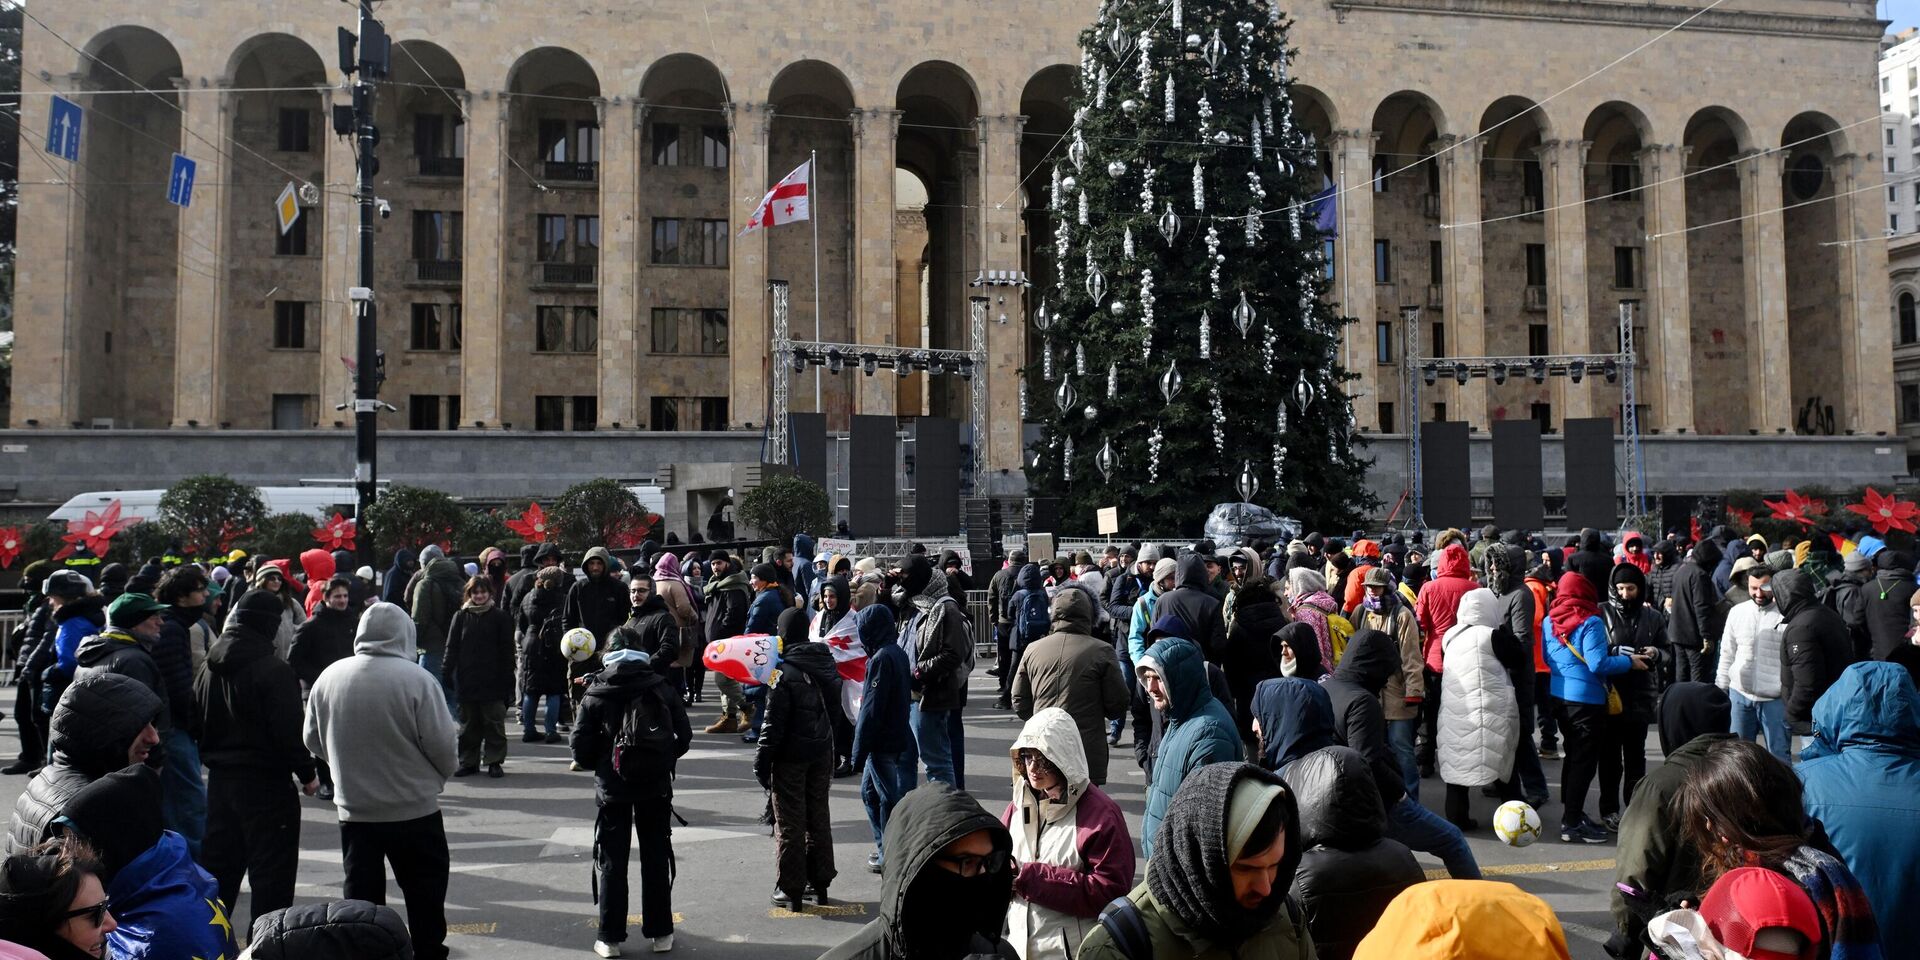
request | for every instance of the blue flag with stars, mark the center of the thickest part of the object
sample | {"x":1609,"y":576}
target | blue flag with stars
{"x":168,"y":907}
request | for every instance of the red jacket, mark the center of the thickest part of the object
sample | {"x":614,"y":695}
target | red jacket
{"x":1439,"y":600}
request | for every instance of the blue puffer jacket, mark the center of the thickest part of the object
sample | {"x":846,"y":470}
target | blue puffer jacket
{"x":763,"y":614}
{"x":168,"y":907}
{"x":1860,"y":776}
{"x":887,"y":696}
{"x":1199,"y":729}
{"x":1577,"y":682}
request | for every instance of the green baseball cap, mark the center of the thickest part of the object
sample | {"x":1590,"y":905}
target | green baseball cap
{"x":128,"y":609}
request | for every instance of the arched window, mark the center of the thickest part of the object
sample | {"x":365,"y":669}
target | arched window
{"x":1909,"y":326}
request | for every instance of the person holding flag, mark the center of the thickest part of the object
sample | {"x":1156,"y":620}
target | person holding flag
{"x":834,"y":626}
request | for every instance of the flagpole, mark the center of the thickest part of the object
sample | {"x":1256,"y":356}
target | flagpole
{"x":813,"y":170}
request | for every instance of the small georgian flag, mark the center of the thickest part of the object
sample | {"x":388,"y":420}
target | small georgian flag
{"x":786,"y":202}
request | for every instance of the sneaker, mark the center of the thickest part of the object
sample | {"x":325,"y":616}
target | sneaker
{"x":555,"y":738}
{"x":531,"y":736}
{"x":663,"y":944}
{"x":784,"y":902}
{"x":1003,"y":703}
{"x":466,"y":771}
{"x":605,"y":949}
{"x":494,"y":771}
{"x":874,"y":862}
{"x":816,"y":895}
{"x":993,"y":672}
{"x":749,"y":737}
{"x":1549,"y":751}
{"x":1612,"y":822}
{"x":1584,"y":832}
{"x":325,"y":792}
{"x":575,"y":766}
{"x":845,"y":769}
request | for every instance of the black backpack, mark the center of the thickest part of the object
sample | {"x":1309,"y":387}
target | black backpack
{"x":644,"y":745}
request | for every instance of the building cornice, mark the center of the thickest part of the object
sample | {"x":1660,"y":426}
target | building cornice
{"x":1633,"y":15}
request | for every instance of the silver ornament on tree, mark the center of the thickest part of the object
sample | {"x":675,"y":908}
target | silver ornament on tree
{"x":1216,"y":50}
{"x":1106,"y":460}
{"x":1126,"y":244}
{"x":1023,"y":399}
{"x":1170,"y":382}
{"x":1279,"y":465}
{"x":1080,"y":359}
{"x":1169,"y":223}
{"x":1247,"y":484}
{"x":1065,"y":396}
{"x":1199,"y":188}
{"x":1066,"y":461}
{"x":1206,"y":336}
{"x":1046,"y":362}
{"x":1077,"y":151}
{"x":1119,"y":308}
{"x":1069,"y":183}
{"x":1096,"y":281}
{"x":1100,"y":91}
{"x":1302,"y":392}
{"x":1280,"y":419}
{"x":1222,"y":138}
{"x":1113,"y":381}
{"x":1119,"y":40}
{"x":1054,"y":202}
{"x":1195,"y":41}
{"x":1154,"y":441}
{"x":1243,"y":316}
{"x":1178,"y":17}
{"x":1169,"y":110}
{"x":1081,"y":217}
{"x":1116,"y":168}
{"x":1043,"y":315}
{"x":1219,"y":421}
{"x":1130,"y":106}
{"x":1090,"y":411}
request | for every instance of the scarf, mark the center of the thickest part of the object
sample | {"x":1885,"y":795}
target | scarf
{"x":1845,"y":914}
{"x":1191,"y":873}
{"x":478,"y":607}
{"x":1574,"y":601}
{"x":1312,"y":610}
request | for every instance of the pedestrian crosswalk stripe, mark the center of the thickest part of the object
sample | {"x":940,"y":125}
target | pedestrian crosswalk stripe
{"x":1526,"y":869}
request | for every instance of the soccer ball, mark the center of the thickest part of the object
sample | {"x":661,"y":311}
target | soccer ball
{"x":1516,"y":823}
{"x":578,"y":644}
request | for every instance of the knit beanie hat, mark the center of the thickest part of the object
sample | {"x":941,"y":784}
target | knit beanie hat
{"x":119,"y":815}
{"x":1856,"y":563}
{"x":1192,"y":870}
{"x":1245,"y":809}
{"x":766,"y":572}
{"x":260,"y":611}
{"x":1163,"y":568}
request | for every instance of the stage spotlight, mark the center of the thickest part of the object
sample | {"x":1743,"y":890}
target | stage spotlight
{"x":1429,"y":373}
{"x":868,"y":363}
{"x":936,"y":366}
{"x":1538,"y":371}
{"x":1612,"y":370}
{"x":1577,"y":370}
{"x":834,"y":361}
{"x":799,"y":361}
{"x":1499,"y":373}
{"x":1460,"y":374}
{"x":901,"y":367}
{"x":966,"y":369}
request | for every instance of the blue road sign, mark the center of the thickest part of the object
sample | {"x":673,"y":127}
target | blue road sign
{"x":63,"y":129}
{"x":180,"y":181}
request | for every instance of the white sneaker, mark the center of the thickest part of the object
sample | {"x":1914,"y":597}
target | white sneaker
{"x":606,"y":949}
{"x":663,"y":944}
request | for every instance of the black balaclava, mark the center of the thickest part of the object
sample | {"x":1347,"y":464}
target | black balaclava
{"x":1628,"y":573}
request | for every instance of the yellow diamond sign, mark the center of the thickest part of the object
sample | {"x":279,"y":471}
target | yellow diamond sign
{"x":287,"y":208}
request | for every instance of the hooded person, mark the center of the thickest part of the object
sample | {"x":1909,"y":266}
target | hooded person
{"x":1295,"y":718}
{"x":727,"y":598}
{"x":1816,"y":648}
{"x":1192,"y":600}
{"x":1350,"y":870}
{"x":166,"y":905}
{"x":1029,"y":618}
{"x":1887,"y":599}
{"x":1229,"y":851}
{"x":599,"y":602}
{"x":795,"y":763}
{"x":1666,"y":563}
{"x":1070,"y":841}
{"x":318,"y":565}
{"x":1465,"y":920}
{"x":947,"y":887}
{"x":1652,"y":855}
{"x":1384,"y":607}
{"x":1436,"y":606}
{"x":1295,"y":649}
{"x":940,"y":641}
{"x":1000,"y":588}
{"x":435,"y":600}
{"x":1698,"y":614}
{"x":102,"y":723}
{"x":493,"y":566}
{"x":331,"y":930}
{"x":399,"y":574}
{"x":804,"y":578}
{"x":1633,"y":626}
{"x":1479,"y":711}
{"x":883,"y":747}
{"x":1309,"y":603}
{"x":1072,"y":670}
{"x":1199,"y":728}
{"x":542,"y":667}
{"x":382,"y":725}
{"x":1860,"y":774}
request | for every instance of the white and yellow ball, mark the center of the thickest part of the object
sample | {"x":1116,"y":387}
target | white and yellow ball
{"x":578,"y":644}
{"x":1516,"y":823}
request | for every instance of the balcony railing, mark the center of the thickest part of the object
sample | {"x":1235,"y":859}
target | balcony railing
{"x":576,"y":274}
{"x":442,"y":166}
{"x":1536,"y":298}
{"x":569,"y":171}
{"x":437,"y":271}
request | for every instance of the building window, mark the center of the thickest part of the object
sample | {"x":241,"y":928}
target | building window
{"x":436,"y":326}
{"x":1533,"y":186}
{"x":1436,"y":263}
{"x":549,"y":413}
{"x":1440,"y":413}
{"x":1438,"y":348}
{"x":586,"y":239}
{"x":293,"y":243}
{"x":553,"y":140}
{"x":296,"y":130}
{"x":1909,"y":402}
{"x":1626,"y":268}
{"x":439,"y":136}
{"x":1909,"y":328}
{"x":713,"y":147}
{"x":665,"y":330}
{"x":1382,"y":261}
{"x":689,"y":243}
{"x":1886,"y":83}
{"x":666,"y":145}
{"x":1542,"y":414}
{"x":423,"y":412}
{"x":549,"y":328}
{"x":1889,"y":167}
{"x":1624,"y":180}
{"x":665,"y":413}
{"x":553,"y":333}
{"x":586,"y":412}
{"x":552,"y":238}
{"x":1380,"y":171}
{"x":1382,"y":341}
{"x":1889,"y":136}
{"x":1537,"y":340}
{"x":713,"y":332}
{"x":1326,"y":256}
{"x":1536,"y":264}
{"x":1386,"y":418}
{"x":713,"y":412}
{"x":586,"y":330}
{"x":436,"y":235}
{"x":290,"y":411}
{"x":289,"y":325}
{"x":666,"y":240}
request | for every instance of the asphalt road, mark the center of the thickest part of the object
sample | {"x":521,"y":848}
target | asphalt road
{"x":521,"y":849}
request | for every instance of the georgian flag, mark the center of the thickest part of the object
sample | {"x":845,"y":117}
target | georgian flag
{"x":849,"y":658}
{"x":786,"y":202}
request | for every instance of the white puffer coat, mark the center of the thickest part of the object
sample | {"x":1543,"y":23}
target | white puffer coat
{"x":1479,"y":716}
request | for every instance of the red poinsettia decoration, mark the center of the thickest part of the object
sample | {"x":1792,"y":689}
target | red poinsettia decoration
{"x":1886,"y":513}
{"x":335,"y":534}
{"x":11,"y":541}
{"x":632,"y":532}
{"x":95,"y":531}
{"x":1742,"y":517}
{"x":532,"y":525}
{"x":1797,"y":509}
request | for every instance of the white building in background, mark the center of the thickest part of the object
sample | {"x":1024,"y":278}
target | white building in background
{"x":1899,"y":123}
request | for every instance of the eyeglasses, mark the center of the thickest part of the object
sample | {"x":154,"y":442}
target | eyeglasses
{"x":96,"y":914}
{"x":974,"y":865}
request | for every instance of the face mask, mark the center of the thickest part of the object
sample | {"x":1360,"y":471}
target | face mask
{"x":943,"y":911}
{"x":1289,"y":667}
{"x":1371,"y":602}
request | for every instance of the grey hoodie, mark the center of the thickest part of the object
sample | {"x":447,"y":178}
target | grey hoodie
{"x":382,"y":724}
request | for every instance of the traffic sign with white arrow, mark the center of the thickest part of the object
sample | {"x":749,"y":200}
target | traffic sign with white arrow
{"x":63,"y":129}
{"x":180,"y":181}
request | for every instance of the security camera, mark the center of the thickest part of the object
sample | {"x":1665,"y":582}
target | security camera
{"x":385,"y":208}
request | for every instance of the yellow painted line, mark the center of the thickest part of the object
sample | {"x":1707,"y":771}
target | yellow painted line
{"x":1530,"y":869}
{"x":473,"y":928}
{"x":634,"y":920}
{"x":830,"y":910}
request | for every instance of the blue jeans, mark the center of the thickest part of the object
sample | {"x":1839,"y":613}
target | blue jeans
{"x":1422,"y":829}
{"x":531,"y":701}
{"x":886,"y":778}
{"x":756,"y":697}
{"x":183,"y":795}
{"x":431,"y":663}
{"x":1126,"y":675}
{"x":1400,"y":734}
{"x":943,"y":745}
{"x":1769,"y":717}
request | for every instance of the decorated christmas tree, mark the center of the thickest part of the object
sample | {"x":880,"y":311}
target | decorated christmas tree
{"x":1188,"y":356}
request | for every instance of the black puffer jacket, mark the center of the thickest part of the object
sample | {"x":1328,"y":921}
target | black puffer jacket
{"x":1192,"y":601}
{"x":480,"y":654}
{"x":1350,"y":870}
{"x":115,"y":651}
{"x":597,"y":723}
{"x":1815,"y":650}
{"x":543,"y":669}
{"x":249,"y":702}
{"x":1697,"y":615}
{"x":320,"y":640}
{"x":659,"y":632}
{"x":1372,"y":658}
{"x":1888,"y":595}
{"x":799,"y":721}
{"x":92,"y":726}
{"x":1248,"y":657}
{"x":339,"y":928}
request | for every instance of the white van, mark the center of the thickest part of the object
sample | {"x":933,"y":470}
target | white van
{"x":316,"y":502}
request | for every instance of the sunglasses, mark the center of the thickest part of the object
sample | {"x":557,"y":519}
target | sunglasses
{"x":96,"y":914}
{"x":971,"y":865}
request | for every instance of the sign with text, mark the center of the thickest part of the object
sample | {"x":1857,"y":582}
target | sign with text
{"x":1109,"y":520}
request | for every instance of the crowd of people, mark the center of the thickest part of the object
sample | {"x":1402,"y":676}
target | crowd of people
{"x":1285,"y":703}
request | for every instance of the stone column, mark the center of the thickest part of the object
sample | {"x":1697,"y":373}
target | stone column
{"x":1563,"y":167}
{"x":1867,"y":364}
{"x":1764,"y":257}
{"x":52,"y":228}
{"x":747,"y":317}
{"x":875,"y":133}
{"x":339,"y":239}
{"x":483,"y":350}
{"x":1465,"y":275}
{"x":998,"y":199}
{"x":619,"y":263}
{"x":1668,"y":344}
{"x":1353,"y":274}
{"x":200,"y":319}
